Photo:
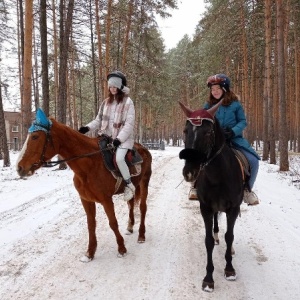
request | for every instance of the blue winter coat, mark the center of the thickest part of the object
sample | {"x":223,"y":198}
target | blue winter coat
{"x":233,"y":116}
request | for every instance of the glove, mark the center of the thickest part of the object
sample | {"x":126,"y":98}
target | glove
{"x":228,"y":133}
{"x":83,"y":129}
{"x":116,"y":143}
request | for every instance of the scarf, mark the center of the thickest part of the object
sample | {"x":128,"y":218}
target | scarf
{"x":119,"y":118}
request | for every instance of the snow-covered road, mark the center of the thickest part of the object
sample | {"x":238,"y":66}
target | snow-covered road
{"x":43,"y":234}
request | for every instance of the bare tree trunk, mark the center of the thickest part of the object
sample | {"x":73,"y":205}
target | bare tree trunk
{"x":64,"y":53}
{"x":269,"y":138}
{"x":96,"y":101}
{"x":35,"y":76}
{"x":20,"y":13}
{"x":74,"y":96}
{"x":283,"y":132}
{"x":107,"y":43}
{"x":252,"y":133}
{"x":98,"y":27}
{"x":44,"y":55}
{"x":3,"y":139}
{"x":297,"y":89}
{"x":80,"y":97}
{"x":286,"y":21}
{"x":55,"y":63}
{"x":126,"y":38}
{"x":26,"y":105}
{"x":245,"y":70}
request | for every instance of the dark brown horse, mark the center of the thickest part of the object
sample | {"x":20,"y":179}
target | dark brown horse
{"x":219,"y":181}
{"x":93,"y":181}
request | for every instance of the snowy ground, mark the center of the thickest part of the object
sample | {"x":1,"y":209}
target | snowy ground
{"x":43,"y":235}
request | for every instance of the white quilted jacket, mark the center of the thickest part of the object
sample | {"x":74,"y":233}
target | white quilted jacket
{"x":126,"y":131}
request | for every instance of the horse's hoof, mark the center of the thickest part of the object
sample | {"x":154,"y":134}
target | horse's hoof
{"x":141,"y":240}
{"x":129,"y":231}
{"x":208,"y":286}
{"x":120,"y":255}
{"x":85,"y":259}
{"x":230,"y":275}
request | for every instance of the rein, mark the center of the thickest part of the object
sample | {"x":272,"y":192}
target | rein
{"x":57,"y":162}
{"x":202,"y":166}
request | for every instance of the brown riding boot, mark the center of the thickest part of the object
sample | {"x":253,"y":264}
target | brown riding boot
{"x":193,"y":194}
{"x":250,"y":198}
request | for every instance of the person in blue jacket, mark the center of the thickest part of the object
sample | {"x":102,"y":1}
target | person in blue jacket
{"x":232,"y":119}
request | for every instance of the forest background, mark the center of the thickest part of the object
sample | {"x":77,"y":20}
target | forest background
{"x":66,"y":48}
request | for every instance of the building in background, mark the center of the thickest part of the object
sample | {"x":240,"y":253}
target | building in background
{"x":13,"y":121}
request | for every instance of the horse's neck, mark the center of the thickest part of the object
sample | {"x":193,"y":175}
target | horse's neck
{"x":70,"y":143}
{"x":218,"y":145}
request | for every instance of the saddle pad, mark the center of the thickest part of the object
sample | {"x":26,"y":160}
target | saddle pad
{"x":244,"y":161}
{"x":108,"y":153}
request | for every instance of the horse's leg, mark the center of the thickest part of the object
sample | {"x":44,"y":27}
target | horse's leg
{"x":208,"y":281}
{"x":113,"y":223}
{"x":229,"y":271}
{"x":90,"y":210}
{"x":216,"y":228}
{"x":143,"y":206}
{"x":131,"y":219}
{"x":216,"y":232}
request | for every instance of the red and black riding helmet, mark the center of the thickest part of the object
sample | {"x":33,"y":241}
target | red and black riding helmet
{"x":219,"y":79}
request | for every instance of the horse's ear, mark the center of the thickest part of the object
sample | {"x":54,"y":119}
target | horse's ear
{"x":41,"y":117}
{"x":41,"y":122}
{"x":214,"y":109}
{"x":187,"y":111}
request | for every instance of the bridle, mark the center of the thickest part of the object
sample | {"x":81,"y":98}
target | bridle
{"x":203,"y":165}
{"x":197,"y":122}
{"x":42,"y":160}
{"x":42,"y":157}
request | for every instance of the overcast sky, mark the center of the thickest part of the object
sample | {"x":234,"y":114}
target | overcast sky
{"x":183,"y":21}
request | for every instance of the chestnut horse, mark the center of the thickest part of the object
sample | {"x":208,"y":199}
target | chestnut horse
{"x":219,"y":181}
{"x":93,"y":181}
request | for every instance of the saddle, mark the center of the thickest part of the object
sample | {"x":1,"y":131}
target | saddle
{"x":133,"y":159}
{"x":244,"y":164}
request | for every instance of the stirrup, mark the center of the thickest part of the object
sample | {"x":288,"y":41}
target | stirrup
{"x":193,"y":194}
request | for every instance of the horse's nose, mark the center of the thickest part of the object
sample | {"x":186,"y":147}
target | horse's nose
{"x":187,"y":175}
{"x":21,"y":171}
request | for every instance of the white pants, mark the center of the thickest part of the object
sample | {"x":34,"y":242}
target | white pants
{"x":120,"y":160}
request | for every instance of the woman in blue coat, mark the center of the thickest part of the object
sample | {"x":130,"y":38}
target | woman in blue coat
{"x":232,"y":119}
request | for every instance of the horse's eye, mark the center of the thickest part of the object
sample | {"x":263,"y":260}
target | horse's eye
{"x":34,"y":137}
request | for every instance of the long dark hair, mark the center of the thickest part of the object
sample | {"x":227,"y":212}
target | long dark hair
{"x":119,"y":96}
{"x":228,"y":96}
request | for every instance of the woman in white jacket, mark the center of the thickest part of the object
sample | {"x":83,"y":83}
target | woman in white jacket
{"x":116,"y":118}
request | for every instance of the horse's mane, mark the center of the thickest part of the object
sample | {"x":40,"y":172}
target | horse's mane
{"x":69,"y":135}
